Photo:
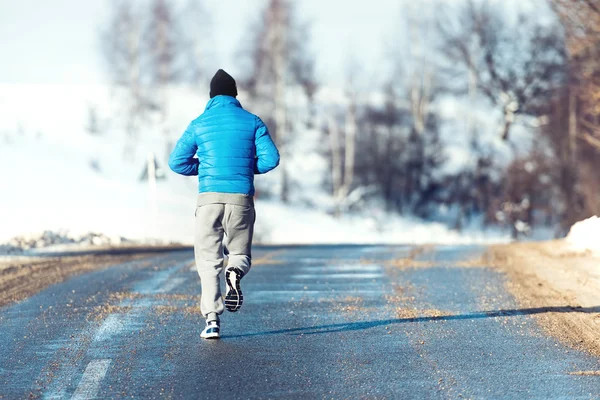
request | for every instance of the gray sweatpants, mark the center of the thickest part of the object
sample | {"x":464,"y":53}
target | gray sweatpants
{"x":228,"y":219}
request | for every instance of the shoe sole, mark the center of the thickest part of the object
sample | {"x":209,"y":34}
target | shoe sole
{"x":211,"y":336}
{"x":234,"y":298}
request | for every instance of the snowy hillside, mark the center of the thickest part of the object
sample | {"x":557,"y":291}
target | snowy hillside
{"x":57,"y":176}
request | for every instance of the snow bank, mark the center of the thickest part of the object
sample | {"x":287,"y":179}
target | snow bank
{"x":585,"y":235}
{"x":63,"y":240}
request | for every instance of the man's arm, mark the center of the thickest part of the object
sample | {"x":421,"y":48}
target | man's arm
{"x":267,"y":155}
{"x":182,"y":159}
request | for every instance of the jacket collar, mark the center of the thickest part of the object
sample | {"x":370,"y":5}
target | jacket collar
{"x":222,"y":100}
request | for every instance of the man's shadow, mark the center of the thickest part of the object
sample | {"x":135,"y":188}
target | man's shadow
{"x":361,"y":325}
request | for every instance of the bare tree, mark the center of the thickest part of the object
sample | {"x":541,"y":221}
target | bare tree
{"x":581,"y":19}
{"x":336,"y":155}
{"x":423,"y":153}
{"x":342,"y":121}
{"x":162,"y":48}
{"x":279,"y":64}
{"x":122,"y":51}
{"x":350,"y":145}
{"x":147,"y":49}
{"x":194,"y":23}
{"x":581,"y":22}
{"x":516,"y":66}
{"x":563,"y":162}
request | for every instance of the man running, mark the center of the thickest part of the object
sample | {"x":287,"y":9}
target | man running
{"x":231,"y":145}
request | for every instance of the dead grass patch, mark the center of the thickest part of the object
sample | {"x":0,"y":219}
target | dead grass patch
{"x":585,"y":373}
{"x":166,"y":310}
{"x":542,"y":276}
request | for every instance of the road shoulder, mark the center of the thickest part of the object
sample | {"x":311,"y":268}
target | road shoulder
{"x":561,"y":285}
{"x":22,"y":277}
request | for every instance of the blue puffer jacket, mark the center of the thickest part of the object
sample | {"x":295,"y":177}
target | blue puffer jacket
{"x":231,"y":145}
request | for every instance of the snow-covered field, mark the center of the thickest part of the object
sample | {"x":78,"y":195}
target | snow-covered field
{"x":58,"y":177}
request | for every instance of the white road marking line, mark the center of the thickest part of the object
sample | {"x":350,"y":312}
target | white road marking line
{"x":365,"y":275}
{"x":90,"y":381}
{"x":112,"y":325}
{"x":172,"y":284}
{"x":150,"y":286}
{"x":342,"y":268}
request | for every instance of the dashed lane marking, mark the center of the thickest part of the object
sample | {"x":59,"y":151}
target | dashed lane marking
{"x":172,"y":284}
{"x":91,"y":379}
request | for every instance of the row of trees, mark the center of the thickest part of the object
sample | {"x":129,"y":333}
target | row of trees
{"x":478,"y":55}
{"x":517,"y":67}
{"x":543,"y":77}
{"x":575,"y":112}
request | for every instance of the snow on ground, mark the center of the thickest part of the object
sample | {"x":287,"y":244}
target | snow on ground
{"x":57,"y":177}
{"x":277,"y":223}
{"x":584,"y":235}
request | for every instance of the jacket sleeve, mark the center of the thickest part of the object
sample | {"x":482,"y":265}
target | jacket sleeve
{"x":182,"y":159}
{"x":267,"y":155}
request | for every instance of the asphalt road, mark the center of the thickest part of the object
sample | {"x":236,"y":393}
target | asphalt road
{"x":317,"y":322}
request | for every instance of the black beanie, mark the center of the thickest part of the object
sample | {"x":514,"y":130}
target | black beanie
{"x":223,"y":84}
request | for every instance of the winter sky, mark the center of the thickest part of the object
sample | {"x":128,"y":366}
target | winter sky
{"x":57,"y":41}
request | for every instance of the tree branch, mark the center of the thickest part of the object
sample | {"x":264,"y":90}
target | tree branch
{"x":592,"y":6}
{"x":591,"y":140}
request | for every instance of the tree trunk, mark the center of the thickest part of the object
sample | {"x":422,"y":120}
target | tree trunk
{"x":336,"y":160}
{"x":350,"y":152}
{"x":572,"y":126}
{"x":135,"y":88}
{"x":280,"y":108}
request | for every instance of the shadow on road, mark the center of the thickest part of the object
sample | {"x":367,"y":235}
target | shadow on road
{"x":355,"y":326}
